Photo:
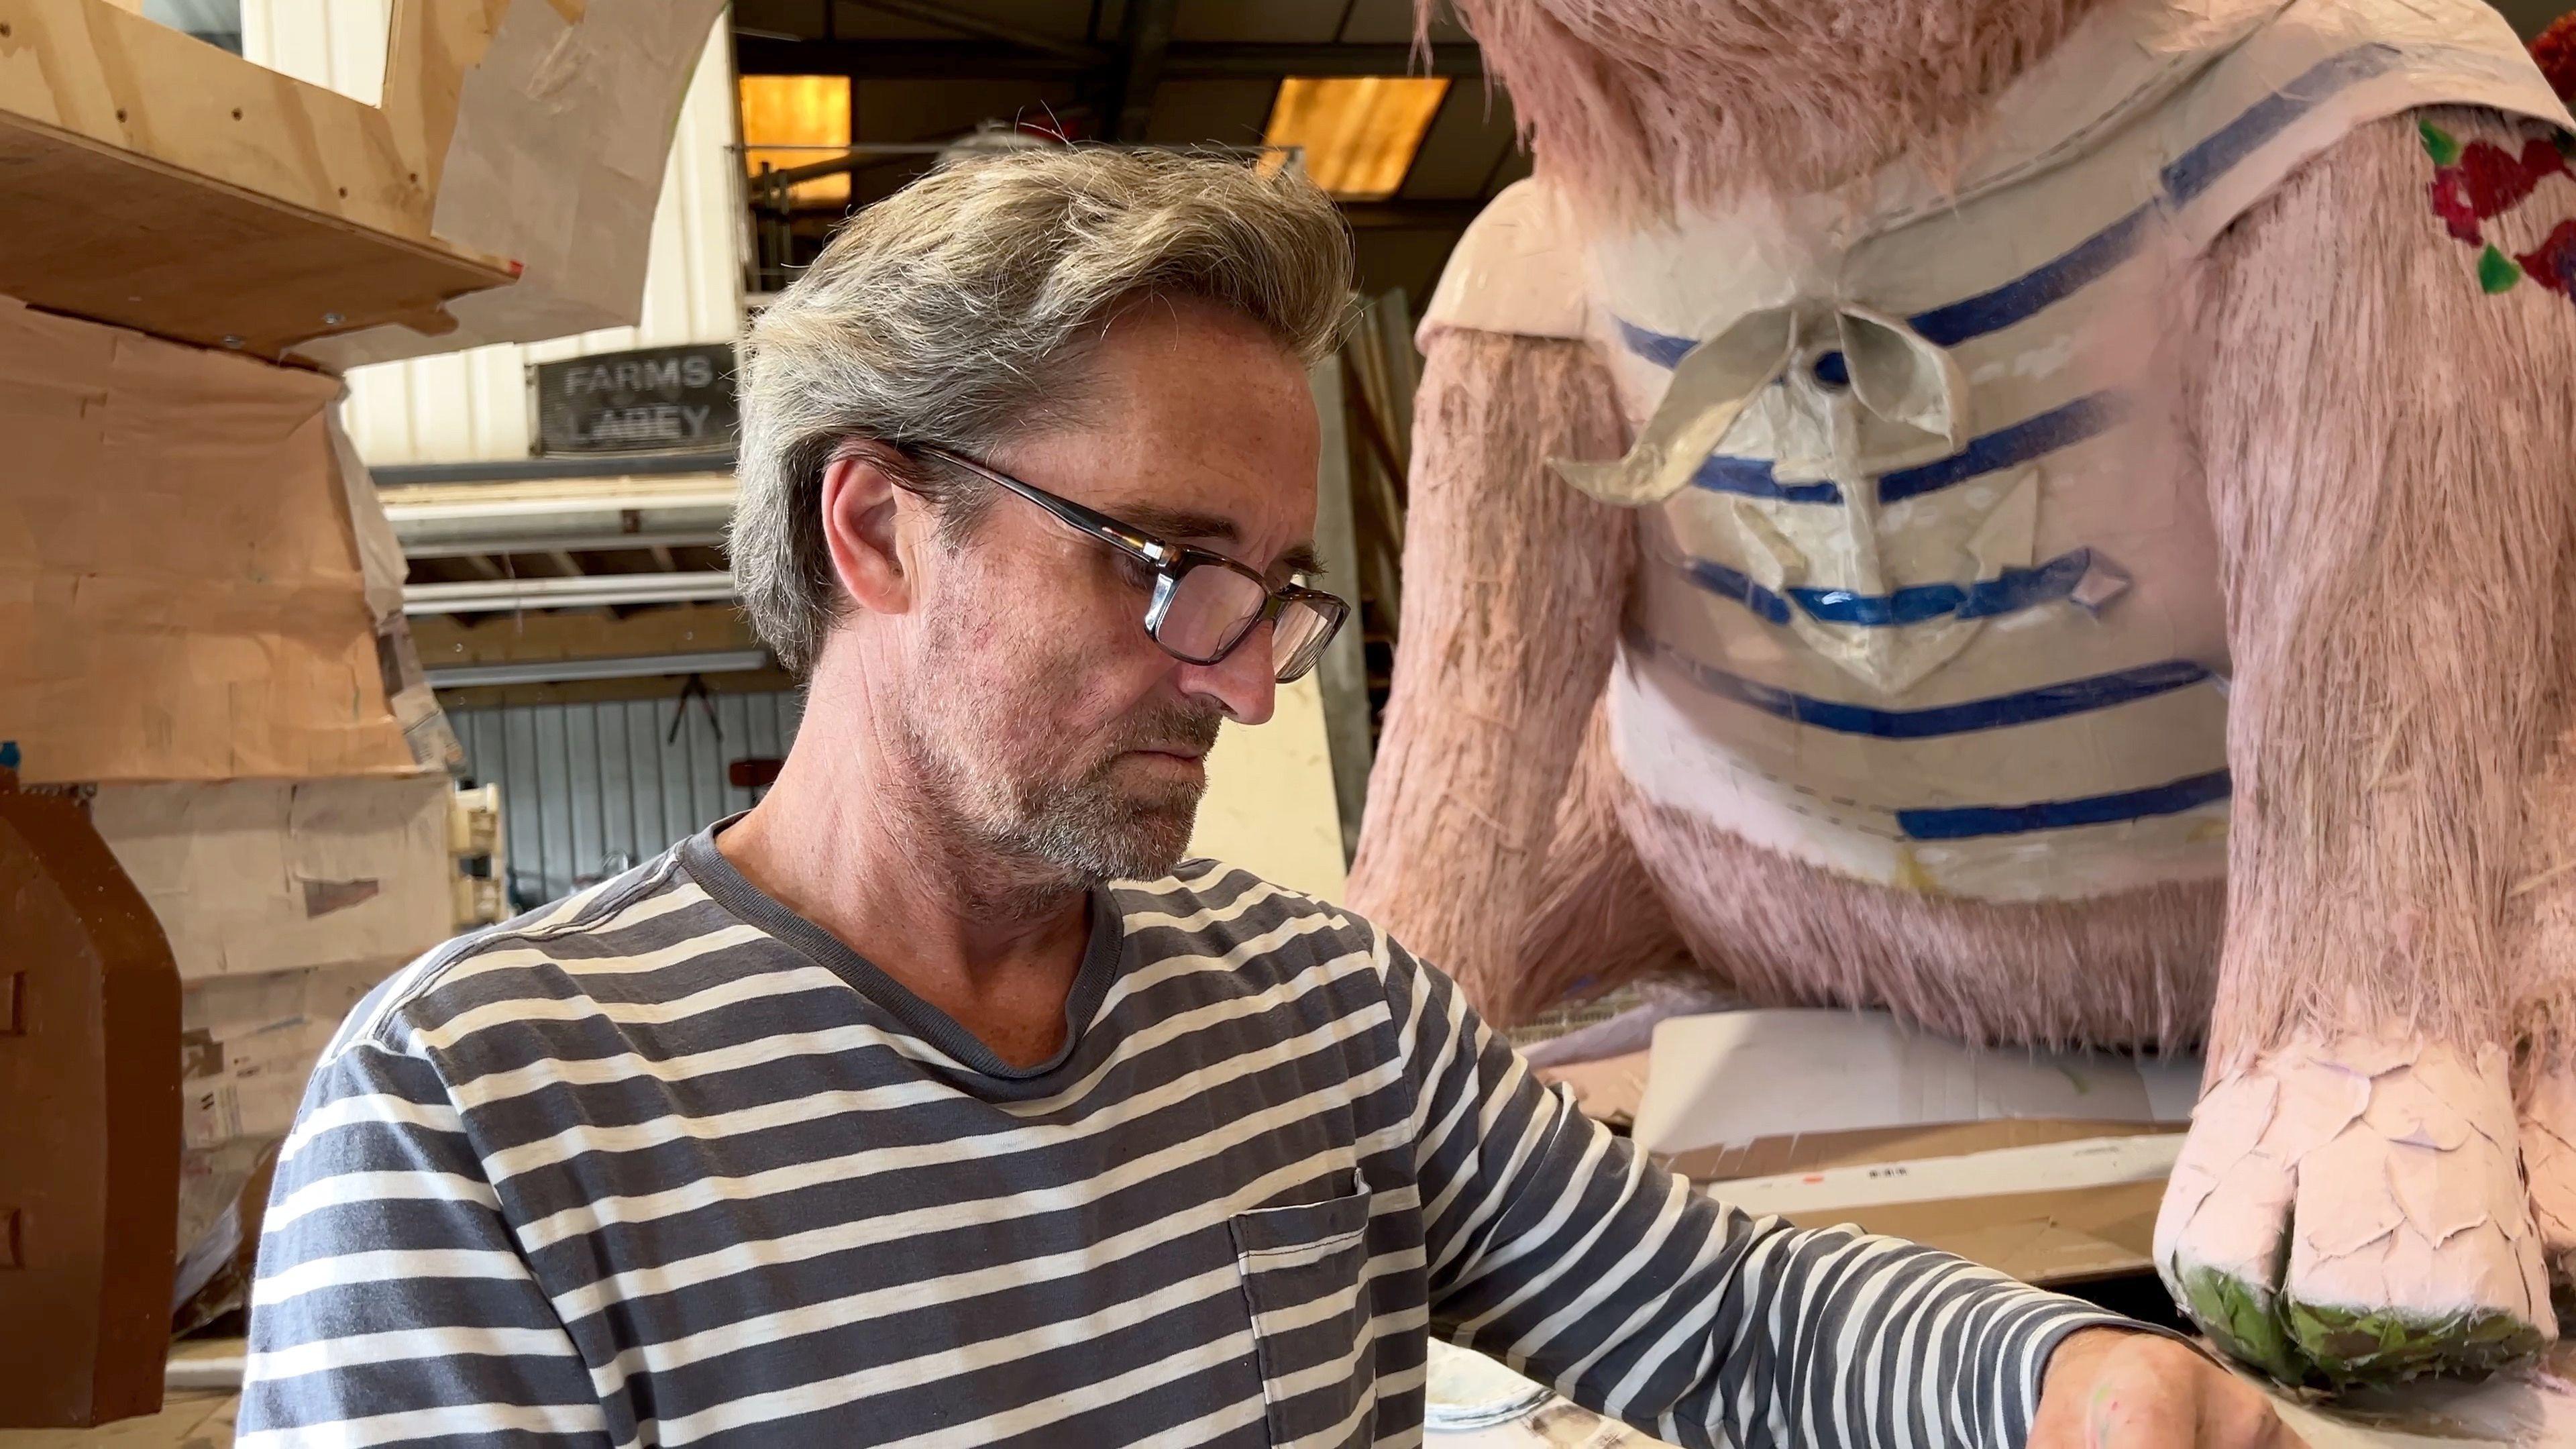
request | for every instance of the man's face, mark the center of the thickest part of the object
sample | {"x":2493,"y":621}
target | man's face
{"x":1038,"y":711}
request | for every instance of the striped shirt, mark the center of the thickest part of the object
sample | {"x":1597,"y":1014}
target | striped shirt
{"x":667,"y":1164}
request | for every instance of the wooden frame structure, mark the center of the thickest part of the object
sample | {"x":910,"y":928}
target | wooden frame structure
{"x":158,"y":183}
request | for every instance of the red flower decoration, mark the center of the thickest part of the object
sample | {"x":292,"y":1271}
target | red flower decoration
{"x":2556,"y":52}
{"x":2486,"y":180}
{"x":2553,"y":263}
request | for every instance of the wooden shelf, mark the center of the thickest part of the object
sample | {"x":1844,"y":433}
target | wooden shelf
{"x":155,"y":182}
{"x":117,"y":237}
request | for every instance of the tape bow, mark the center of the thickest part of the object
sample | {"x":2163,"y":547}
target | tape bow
{"x":1862,"y":393}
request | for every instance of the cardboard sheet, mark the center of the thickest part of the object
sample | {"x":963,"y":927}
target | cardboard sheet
{"x":1608,"y":1090}
{"x":181,"y":595}
{"x":259,"y":876}
{"x":1727,"y":1078}
{"x":556,"y":161}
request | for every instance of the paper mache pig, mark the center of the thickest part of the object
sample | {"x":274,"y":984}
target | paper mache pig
{"x":2055,"y":518}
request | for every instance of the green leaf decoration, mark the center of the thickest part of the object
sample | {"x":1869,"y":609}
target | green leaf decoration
{"x":2438,"y":144}
{"x":2239,"y":1318}
{"x":2496,"y":271}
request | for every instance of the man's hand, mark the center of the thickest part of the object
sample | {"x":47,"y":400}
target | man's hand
{"x":2109,"y":1388}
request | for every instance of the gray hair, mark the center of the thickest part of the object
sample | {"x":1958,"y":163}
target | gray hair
{"x":948,"y":313}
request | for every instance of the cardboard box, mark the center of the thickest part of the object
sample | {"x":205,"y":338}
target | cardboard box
{"x":262,"y":876}
{"x":182,"y":592}
{"x":2046,"y":1201}
{"x":2046,"y":1166}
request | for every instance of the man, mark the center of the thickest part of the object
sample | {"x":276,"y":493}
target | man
{"x":934,"y":1101}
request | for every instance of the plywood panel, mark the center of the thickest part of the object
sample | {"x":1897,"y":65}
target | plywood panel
{"x":507,"y":129}
{"x":161,"y":184}
{"x":163,"y":251}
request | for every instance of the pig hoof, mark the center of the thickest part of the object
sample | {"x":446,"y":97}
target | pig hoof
{"x":2549,"y":1165}
{"x":2350,"y":1211}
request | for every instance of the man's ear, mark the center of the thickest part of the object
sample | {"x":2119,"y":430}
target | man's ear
{"x":862,"y":506}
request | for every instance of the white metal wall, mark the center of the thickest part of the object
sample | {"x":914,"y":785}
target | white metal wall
{"x":473,"y":405}
{"x":585,"y":787}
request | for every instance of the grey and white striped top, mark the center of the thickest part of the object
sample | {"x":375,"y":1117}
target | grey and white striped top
{"x":667,"y":1164}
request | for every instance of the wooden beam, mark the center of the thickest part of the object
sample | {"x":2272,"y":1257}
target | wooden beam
{"x":950,"y":18}
{"x":1144,"y":38}
{"x":1182,"y":60}
{"x":1343,"y":671}
{"x":540,"y":634}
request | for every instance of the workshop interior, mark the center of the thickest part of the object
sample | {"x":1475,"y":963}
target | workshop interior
{"x":1984,"y":752}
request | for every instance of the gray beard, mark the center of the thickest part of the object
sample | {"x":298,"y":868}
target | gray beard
{"x":1077,"y":833}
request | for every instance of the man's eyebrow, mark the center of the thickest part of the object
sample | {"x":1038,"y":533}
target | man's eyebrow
{"x":1181,"y":523}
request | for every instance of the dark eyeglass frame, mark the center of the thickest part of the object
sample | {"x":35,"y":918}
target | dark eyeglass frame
{"x":1171,"y":562}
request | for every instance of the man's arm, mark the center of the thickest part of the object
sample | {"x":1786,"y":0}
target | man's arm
{"x":1555,"y":1246}
{"x":391,"y":1300}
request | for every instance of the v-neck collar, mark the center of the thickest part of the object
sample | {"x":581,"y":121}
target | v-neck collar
{"x":730,"y":889}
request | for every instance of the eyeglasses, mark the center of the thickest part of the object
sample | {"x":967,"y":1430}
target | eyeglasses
{"x":1204,"y":604}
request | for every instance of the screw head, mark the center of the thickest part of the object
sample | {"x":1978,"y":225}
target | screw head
{"x":231,"y":341}
{"x":332,"y":319}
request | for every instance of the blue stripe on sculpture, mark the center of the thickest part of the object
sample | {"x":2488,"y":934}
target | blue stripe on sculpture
{"x":1734,"y":584}
{"x":1963,"y":822}
{"x":2029,"y":706}
{"x":2052,"y":281}
{"x":2200,"y":167}
{"x":1655,"y":347}
{"x":2008,"y":592}
{"x":2024,"y":296}
{"x":2059,"y":427}
{"x":1752,"y":477}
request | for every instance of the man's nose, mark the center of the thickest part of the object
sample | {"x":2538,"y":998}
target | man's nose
{"x":1245,"y":684}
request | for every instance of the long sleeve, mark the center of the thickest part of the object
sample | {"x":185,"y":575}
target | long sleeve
{"x":1556,"y":1246}
{"x":391,"y":1300}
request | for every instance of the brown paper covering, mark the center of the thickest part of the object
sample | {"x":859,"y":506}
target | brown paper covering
{"x":181,"y":596}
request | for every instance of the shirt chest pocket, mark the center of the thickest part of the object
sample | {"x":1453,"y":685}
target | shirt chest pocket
{"x":1304,"y":1272}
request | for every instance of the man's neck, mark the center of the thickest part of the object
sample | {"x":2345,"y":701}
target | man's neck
{"x":845,"y":841}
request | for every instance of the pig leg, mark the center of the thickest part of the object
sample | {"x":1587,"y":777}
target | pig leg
{"x":2384,"y":420}
{"x":1596,"y":920}
{"x":1513,"y":583}
{"x":2542,"y":956}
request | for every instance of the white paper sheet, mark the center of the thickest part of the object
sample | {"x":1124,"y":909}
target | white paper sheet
{"x":1727,"y":1078}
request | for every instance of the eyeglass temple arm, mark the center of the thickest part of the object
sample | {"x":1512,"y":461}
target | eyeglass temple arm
{"x":1068,"y":512}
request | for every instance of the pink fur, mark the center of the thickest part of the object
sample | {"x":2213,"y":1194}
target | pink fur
{"x":2540,"y":911}
{"x":2134,"y":969}
{"x":2387,"y":449}
{"x":1646,"y":105}
{"x":1508,"y":625}
{"x":1595,"y":917}
{"x":2389,"y":452}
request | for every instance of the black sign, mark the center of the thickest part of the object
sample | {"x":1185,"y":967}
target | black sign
{"x":661,"y":399}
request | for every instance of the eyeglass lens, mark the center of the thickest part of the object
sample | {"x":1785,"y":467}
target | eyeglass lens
{"x":1212,"y":607}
